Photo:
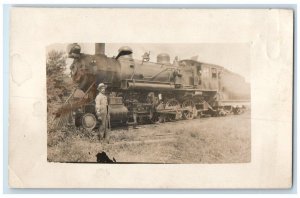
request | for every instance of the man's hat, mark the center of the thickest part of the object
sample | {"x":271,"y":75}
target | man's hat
{"x":101,"y":85}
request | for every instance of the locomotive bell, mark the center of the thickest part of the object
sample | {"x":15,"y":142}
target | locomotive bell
{"x":163,"y":58}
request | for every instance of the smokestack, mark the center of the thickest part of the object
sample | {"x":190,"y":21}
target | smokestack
{"x":99,"y":48}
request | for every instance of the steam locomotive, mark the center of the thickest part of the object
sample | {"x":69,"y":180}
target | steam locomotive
{"x":142,"y":91}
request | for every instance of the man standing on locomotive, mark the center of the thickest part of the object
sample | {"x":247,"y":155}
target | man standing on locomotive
{"x":102,"y":110}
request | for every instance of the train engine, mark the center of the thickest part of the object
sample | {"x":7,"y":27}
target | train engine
{"x":141,"y":91}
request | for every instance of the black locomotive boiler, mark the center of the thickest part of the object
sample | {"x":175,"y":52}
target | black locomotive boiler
{"x":150,"y":91}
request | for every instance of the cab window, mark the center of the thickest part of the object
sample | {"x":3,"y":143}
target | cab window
{"x":213,"y":72}
{"x":205,"y":72}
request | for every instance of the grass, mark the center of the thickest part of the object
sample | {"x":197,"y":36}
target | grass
{"x":206,"y":140}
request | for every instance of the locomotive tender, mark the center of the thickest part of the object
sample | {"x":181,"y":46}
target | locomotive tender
{"x":144,"y":91}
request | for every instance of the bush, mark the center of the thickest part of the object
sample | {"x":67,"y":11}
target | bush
{"x":57,"y":87}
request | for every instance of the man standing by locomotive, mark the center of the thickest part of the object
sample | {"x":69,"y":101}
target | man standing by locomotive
{"x":102,"y":110}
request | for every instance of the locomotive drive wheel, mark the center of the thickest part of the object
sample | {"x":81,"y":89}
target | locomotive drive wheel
{"x":89,"y":121}
{"x":173,"y":105}
{"x":191,"y":113}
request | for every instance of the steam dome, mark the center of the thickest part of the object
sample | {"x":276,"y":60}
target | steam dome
{"x":163,"y":58}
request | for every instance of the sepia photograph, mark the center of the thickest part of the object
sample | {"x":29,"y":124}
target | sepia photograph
{"x":123,"y":98}
{"x":148,"y":103}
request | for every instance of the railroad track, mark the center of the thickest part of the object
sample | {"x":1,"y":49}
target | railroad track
{"x":142,"y":134}
{"x":160,"y":132}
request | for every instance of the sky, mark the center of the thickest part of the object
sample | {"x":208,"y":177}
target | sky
{"x":233,"y":56}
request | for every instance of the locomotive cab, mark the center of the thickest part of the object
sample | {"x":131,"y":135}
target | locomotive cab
{"x":202,"y":76}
